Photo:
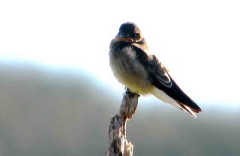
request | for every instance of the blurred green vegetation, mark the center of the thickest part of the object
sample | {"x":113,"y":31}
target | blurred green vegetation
{"x":54,"y":111}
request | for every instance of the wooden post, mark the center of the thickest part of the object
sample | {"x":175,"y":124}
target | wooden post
{"x":118,"y":143}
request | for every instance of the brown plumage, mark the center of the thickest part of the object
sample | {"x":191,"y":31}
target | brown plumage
{"x":142,"y":72}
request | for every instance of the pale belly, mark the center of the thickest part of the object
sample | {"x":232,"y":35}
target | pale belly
{"x":131,"y":73}
{"x":135,"y":83}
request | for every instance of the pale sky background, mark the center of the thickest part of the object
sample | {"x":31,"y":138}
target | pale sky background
{"x":198,"y":41}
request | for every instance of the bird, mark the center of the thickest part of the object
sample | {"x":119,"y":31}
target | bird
{"x":142,"y":73}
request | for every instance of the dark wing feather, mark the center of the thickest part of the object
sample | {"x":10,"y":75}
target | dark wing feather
{"x":154,"y":67}
{"x":160,"y":78}
{"x":158,"y":71}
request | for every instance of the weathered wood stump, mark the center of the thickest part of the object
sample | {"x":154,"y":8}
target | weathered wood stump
{"x":118,"y":143}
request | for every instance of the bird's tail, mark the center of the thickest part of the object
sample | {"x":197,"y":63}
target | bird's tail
{"x":167,"y":99}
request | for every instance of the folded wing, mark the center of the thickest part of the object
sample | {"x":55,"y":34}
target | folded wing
{"x":160,"y":78}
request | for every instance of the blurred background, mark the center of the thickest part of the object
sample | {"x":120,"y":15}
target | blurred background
{"x":57,"y":92}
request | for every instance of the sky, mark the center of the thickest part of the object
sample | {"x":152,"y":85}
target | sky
{"x":198,"y":41}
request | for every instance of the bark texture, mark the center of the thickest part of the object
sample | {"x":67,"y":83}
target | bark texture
{"x":118,"y":143}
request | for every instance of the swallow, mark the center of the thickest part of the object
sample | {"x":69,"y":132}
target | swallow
{"x":141,"y":72}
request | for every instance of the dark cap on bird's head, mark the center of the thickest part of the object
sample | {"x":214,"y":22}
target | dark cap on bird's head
{"x":129,"y":32}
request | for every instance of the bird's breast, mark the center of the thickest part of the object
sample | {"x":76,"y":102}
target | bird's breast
{"x":129,"y":71}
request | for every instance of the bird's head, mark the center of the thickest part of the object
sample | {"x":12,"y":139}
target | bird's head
{"x":129,"y":32}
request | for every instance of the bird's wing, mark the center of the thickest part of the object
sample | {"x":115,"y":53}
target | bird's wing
{"x":156,"y":71}
{"x":160,"y":78}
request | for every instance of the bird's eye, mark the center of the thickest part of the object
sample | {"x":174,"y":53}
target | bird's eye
{"x":136,"y":35}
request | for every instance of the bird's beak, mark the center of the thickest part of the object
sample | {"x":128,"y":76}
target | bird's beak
{"x":122,"y":37}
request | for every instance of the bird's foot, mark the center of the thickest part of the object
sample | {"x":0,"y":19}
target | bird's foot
{"x":131,"y":94}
